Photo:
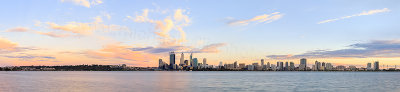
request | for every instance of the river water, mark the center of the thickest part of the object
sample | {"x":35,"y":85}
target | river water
{"x":197,"y":81}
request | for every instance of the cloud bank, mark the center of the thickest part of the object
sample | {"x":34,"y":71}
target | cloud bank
{"x":378,"y":49}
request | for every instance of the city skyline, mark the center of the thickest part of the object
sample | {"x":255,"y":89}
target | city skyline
{"x":140,"y":33}
{"x":279,"y":66}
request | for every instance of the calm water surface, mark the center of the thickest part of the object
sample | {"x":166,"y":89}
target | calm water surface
{"x":174,"y":81}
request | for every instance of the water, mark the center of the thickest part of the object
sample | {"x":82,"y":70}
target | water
{"x":174,"y":81}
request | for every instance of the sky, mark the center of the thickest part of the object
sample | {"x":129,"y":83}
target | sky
{"x":139,"y":32}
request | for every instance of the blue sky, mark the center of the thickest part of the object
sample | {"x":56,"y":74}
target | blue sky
{"x":296,"y":31}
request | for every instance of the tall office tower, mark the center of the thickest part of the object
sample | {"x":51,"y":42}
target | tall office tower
{"x":277,"y":65}
{"x":316,"y":65}
{"x":235,"y":64}
{"x":323,"y":66}
{"x":262,"y":62}
{"x":182,"y":61}
{"x":204,"y":61}
{"x":160,"y":64}
{"x":171,"y":59}
{"x":268,"y":66}
{"x":195,"y":61}
{"x":281,"y":65}
{"x":369,"y":66}
{"x":291,"y":66}
{"x":319,"y":66}
{"x":191,"y":59}
{"x":220,"y":63}
{"x":303,"y":64}
{"x":287,"y":66}
{"x":376,"y":65}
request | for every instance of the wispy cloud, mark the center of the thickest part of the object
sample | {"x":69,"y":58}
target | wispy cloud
{"x":118,"y":51}
{"x":54,"y":34}
{"x":86,"y":28}
{"x":25,"y":29}
{"x":211,"y":48}
{"x":370,"y":12}
{"x":265,"y":18}
{"x":378,"y":48}
{"x":32,"y":57}
{"x":157,"y":50}
{"x":18,"y":29}
{"x":71,"y":28}
{"x":86,"y":3}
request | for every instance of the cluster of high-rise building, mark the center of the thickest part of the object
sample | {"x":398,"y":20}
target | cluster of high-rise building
{"x":193,"y":64}
{"x":375,"y":67}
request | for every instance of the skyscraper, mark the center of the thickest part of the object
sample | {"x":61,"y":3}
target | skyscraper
{"x":171,"y":59}
{"x":317,"y":65}
{"x":160,"y":64}
{"x":268,"y":66}
{"x":281,"y":66}
{"x":303,"y":64}
{"x":235,"y":64}
{"x":277,"y":65}
{"x":182,"y":61}
{"x":262,"y":62}
{"x":204,"y":61}
{"x":195,"y":63}
{"x":291,"y":66}
{"x":376,"y":65}
{"x":369,"y":66}
{"x":191,"y":59}
{"x":286,"y":66}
